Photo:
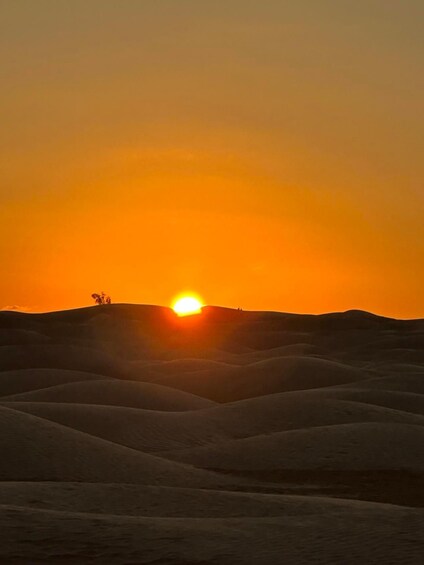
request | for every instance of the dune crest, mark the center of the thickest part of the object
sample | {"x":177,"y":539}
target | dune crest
{"x":229,"y":438}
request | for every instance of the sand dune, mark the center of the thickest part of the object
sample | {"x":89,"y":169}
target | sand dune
{"x":115,"y":393}
{"x":346,"y":446}
{"x":410,"y":355}
{"x":178,"y":366}
{"x":353,"y":535}
{"x":225,"y":384}
{"x":153,"y":430}
{"x":25,"y":380}
{"x":397,"y":400}
{"x":385,"y":367}
{"x":405,"y":383}
{"x":144,"y":430}
{"x":292,"y":350}
{"x":292,"y":410}
{"x":129,"y":435}
{"x":21,"y":337}
{"x":58,"y":356}
{"x":159,"y":501}
{"x":35,"y":449}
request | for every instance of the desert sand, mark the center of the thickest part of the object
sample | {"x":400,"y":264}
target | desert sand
{"x":131,"y":436}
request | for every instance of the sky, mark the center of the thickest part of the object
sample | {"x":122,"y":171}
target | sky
{"x":265,"y":155}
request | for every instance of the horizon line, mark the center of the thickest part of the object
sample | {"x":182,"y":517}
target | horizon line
{"x":26,"y":310}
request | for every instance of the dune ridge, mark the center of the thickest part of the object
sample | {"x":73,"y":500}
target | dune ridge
{"x":129,"y":435}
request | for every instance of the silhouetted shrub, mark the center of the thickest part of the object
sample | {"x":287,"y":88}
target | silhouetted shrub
{"x":101,"y":299}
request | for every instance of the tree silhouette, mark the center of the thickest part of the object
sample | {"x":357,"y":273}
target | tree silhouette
{"x":101,"y":299}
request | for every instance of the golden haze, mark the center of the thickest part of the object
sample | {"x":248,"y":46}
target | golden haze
{"x":261,"y":157}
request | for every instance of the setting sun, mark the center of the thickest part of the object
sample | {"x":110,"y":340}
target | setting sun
{"x":187,"y":305}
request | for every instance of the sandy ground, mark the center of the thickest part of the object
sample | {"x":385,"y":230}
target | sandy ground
{"x":129,"y":436}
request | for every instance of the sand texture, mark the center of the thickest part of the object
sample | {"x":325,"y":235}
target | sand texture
{"x":130,"y":436}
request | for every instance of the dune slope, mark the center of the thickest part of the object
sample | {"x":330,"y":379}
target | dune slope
{"x":129,"y":435}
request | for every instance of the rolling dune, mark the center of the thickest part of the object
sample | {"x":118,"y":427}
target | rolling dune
{"x":28,"y":380}
{"x":131,"y":436}
{"x":59,"y":356}
{"x":353,"y":535}
{"x":155,"y":430}
{"x":115,"y":393}
{"x":344,"y":446}
{"x":37,"y":449}
{"x":228,"y":383}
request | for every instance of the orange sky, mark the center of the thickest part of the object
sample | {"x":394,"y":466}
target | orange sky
{"x":266,"y":155}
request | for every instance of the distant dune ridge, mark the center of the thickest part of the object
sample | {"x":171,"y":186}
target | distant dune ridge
{"x":129,"y":435}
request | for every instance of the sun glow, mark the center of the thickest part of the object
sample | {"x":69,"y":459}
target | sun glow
{"x":187,"y":305}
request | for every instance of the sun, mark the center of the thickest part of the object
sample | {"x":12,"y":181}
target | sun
{"x":187,"y":305}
